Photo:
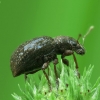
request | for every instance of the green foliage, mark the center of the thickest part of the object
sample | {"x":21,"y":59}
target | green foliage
{"x":71,"y":87}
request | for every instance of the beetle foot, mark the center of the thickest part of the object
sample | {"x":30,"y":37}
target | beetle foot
{"x":78,"y":73}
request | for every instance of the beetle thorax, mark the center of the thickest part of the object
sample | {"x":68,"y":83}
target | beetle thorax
{"x":62,"y":43}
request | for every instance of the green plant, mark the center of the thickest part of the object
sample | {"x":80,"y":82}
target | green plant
{"x":71,"y":87}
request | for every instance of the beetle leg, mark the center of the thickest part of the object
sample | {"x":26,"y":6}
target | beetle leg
{"x":66,"y":53}
{"x":75,"y":61}
{"x":25,"y":77}
{"x":45,"y":65}
{"x":55,"y":62}
{"x":65,"y":61}
{"x":76,"y":65}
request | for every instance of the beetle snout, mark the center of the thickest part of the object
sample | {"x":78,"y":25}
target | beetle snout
{"x":80,"y":51}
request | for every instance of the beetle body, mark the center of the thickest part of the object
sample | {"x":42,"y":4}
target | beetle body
{"x":30,"y":56}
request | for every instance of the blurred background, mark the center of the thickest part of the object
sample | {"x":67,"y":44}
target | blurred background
{"x":22,"y":20}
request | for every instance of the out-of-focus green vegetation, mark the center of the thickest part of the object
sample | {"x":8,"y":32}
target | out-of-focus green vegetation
{"x":67,"y":87}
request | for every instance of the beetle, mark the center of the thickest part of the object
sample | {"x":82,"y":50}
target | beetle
{"x":36,"y":54}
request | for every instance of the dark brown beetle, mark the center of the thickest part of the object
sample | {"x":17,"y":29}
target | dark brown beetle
{"x":32,"y":55}
{"x":37,"y":53}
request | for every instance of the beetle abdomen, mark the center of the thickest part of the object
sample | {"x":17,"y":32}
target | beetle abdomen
{"x":30,"y":55}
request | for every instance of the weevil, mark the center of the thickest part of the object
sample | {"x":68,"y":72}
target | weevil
{"x":36,"y":54}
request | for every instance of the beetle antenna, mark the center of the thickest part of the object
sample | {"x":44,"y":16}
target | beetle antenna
{"x":79,"y":37}
{"x":88,"y":32}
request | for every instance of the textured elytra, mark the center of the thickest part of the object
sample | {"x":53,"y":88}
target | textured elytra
{"x":29,"y":57}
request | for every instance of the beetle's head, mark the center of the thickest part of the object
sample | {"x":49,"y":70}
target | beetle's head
{"x":78,"y":48}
